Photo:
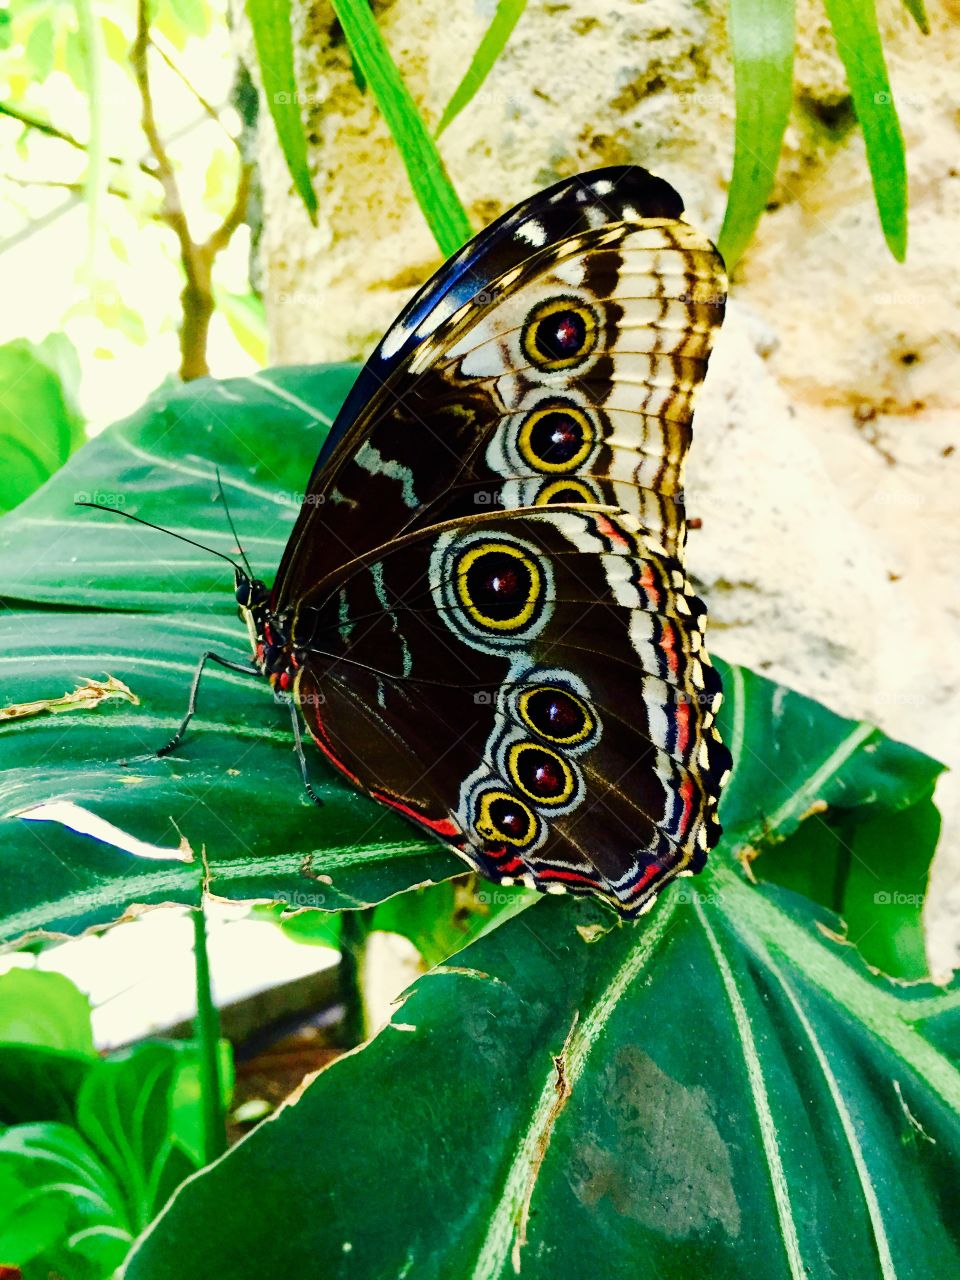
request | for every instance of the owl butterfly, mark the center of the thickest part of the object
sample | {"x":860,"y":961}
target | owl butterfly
{"x":482,"y":613}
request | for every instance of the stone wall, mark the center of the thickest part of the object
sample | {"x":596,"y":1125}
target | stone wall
{"x":823,"y":467}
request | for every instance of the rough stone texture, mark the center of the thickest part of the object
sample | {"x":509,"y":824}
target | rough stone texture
{"x":823,"y":466}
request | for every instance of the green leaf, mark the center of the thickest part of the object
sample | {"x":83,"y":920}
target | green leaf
{"x":721,"y":1092}
{"x":40,"y":1084}
{"x":506,"y":17}
{"x":244,"y":313}
{"x":40,"y":422}
{"x":271,"y":21}
{"x":125,"y":1111}
{"x":431,"y":185}
{"x":724,"y":1089}
{"x":918,"y":11}
{"x":63,"y":1213}
{"x":855,"y":30}
{"x":762,"y":34}
{"x":44,"y":1009}
{"x":442,"y":919}
{"x":186,"y":1101}
{"x":39,"y":46}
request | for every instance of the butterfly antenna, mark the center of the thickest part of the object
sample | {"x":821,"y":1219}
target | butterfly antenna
{"x":115,"y":511}
{"x":233,"y":530}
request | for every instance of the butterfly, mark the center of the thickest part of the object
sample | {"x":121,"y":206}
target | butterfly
{"x":482,"y":615}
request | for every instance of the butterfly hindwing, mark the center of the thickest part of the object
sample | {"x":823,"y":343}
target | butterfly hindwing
{"x":533,"y":688}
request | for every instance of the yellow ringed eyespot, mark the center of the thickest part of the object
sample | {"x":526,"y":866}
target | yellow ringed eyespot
{"x":559,"y":334}
{"x":540,"y":773}
{"x":556,"y":714}
{"x":502,"y":816}
{"x":499,"y":585}
{"x":556,"y":438}
{"x":558,"y":491}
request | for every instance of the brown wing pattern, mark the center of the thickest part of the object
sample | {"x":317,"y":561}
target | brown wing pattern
{"x":532,"y":687}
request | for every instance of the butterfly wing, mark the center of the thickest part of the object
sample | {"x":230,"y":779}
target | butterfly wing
{"x":533,"y":688}
{"x":555,"y":359}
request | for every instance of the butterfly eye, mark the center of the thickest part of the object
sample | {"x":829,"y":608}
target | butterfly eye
{"x":501,"y":816}
{"x":559,"y":334}
{"x":556,"y":439}
{"x":251,"y":592}
{"x":556,"y":714}
{"x":540,"y":773}
{"x":499,"y":585}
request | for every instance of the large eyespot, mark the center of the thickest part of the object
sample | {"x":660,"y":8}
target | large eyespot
{"x":540,"y":773}
{"x":499,"y":585}
{"x":559,"y":334}
{"x":556,"y":438}
{"x":556,"y":714}
{"x":558,"y":491}
{"x":501,"y":816}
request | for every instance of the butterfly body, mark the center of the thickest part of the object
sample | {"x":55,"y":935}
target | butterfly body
{"x":482,"y":614}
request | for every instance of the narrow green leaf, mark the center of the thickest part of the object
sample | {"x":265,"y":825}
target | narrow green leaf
{"x":495,"y":37}
{"x":762,"y":36}
{"x":273,"y":37}
{"x":918,"y":12}
{"x":208,"y":1046}
{"x":431,"y":184}
{"x":857,"y":35}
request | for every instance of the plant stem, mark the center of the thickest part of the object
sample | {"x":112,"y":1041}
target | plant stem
{"x":354,"y":932}
{"x":207,"y":1029}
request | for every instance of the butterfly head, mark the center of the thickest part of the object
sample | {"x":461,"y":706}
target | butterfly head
{"x":253,"y":605}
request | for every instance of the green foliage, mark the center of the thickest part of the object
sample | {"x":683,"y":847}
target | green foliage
{"x":855,"y":30}
{"x":762,"y":39}
{"x":762,"y":34}
{"x":508,"y":14}
{"x":40,"y":421}
{"x":733,"y":1051}
{"x":270,"y":21}
{"x":95,"y":1146}
{"x":44,"y":1009}
{"x":431,"y":185}
{"x":726,"y":1088}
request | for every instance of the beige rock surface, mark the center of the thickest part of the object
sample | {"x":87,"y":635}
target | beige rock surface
{"x":824,"y":467}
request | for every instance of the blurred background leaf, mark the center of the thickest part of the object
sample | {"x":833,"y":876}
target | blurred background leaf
{"x":40,"y":419}
{"x":508,"y":13}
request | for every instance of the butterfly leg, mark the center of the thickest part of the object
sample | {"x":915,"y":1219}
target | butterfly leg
{"x":298,"y":746}
{"x":245,"y":668}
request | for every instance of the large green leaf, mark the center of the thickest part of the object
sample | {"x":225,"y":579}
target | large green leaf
{"x":725,"y":1089}
{"x":40,"y":422}
{"x":431,"y":184}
